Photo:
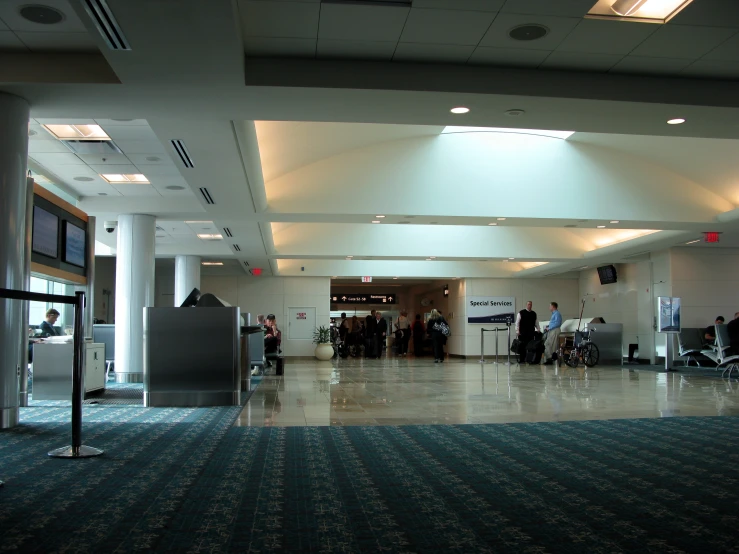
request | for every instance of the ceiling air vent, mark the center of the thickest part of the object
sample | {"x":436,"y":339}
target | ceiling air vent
{"x":227,"y":232}
{"x":182,"y":152}
{"x":238,"y":249}
{"x":246,"y":263}
{"x":206,"y":195}
{"x":106,"y":24}
{"x":99,"y":147}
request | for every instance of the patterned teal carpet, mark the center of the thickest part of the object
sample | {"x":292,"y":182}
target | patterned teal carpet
{"x":184,"y":480}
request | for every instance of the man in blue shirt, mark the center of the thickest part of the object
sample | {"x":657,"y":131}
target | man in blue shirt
{"x":551,"y":345}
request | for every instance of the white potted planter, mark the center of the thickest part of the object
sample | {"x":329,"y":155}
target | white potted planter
{"x":322,"y":339}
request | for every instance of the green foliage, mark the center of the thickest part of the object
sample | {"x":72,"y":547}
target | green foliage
{"x":322,"y":335}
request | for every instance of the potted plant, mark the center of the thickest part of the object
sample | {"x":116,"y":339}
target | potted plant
{"x":322,"y":340}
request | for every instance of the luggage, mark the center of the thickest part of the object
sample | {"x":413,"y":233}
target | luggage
{"x":534,"y":351}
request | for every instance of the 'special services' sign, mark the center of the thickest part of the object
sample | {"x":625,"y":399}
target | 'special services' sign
{"x":491,"y":309}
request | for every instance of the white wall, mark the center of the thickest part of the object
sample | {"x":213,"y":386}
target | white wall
{"x":264,"y":295}
{"x":707,"y":280}
{"x":540,"y":291}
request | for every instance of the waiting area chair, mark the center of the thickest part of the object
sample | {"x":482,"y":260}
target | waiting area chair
{"x":690,"y":346}
{"x":722,"y":354}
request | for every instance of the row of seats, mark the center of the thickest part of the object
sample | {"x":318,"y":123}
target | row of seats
{"x":690,"y":341}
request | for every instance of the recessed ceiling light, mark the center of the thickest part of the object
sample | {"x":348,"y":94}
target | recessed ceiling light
{"x":460,"y":110}
{"x":32,"y":133}
{"x":350,"y":257}
{"x":394,"y":278}
{"x":84,"y":179}
{"x":693,"y":241}
{"x":511,"y":258}
{"x":77,"y":132}
{"x":210,"y":236}
{"x":501,"y":219}
{"x":432,"y":257}
{"x":650,"y":11}
{"x":601,"y":226}
{"x":132,"y":178}
{"x":428,"y":259}
{"x":615,"y":221}
{"x":676,"y":121}
{"x":43,"y":15}
{"x":492,"y":223}
{"x":153,"y":158}
{"x":376,"y":221}
{"x":175,"y":187}
{"x":379,"y":216}
{"x":528,"y":32}
{"x":211,"y":263}
{"x":102,"y":194}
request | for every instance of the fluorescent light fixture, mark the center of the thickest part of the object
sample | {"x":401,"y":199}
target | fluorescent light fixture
{"x":601,"y":226}
{"x":350,"y":256}
{"x":429,"y":259}
{"x":693,"y":241}
{"x":376,"y":221}
{"x":501,"y":219}
{"x":77,"y":132}
{"x":129,"y":178}
{"x":615,"y":221}
{"x":211,"y":263}
{"x":210,"y":236}
{"x":647,"y":11}
{"x":460,"y":110}
{"x":511,"y":258}
{"x":394,"y":278}
{"x":676,"y":121}
{"x":450,"y":129}
{"x":493,"y":224}
{"x":379,"y":216}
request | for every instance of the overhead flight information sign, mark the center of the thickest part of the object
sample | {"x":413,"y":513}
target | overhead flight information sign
{"x":356,"y":298}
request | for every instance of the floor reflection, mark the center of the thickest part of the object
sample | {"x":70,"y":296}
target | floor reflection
{"x":408,"y":391}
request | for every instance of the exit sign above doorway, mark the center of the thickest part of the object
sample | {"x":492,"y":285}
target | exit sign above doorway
{"x":366,"y":279}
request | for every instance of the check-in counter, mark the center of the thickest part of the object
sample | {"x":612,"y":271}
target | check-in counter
{"x":53,"y":366}
{"x":192,"y":356}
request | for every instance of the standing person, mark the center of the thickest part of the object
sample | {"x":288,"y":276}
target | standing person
{"x":369,"y":327}
{"x":403,"y":325}
{"x":552,"y":343}
{"x":378,"y":332}
{"x":436,"y":335}
{"x":418,"y":335}
{"x":344,"y":326}
{"x":526,"y":325}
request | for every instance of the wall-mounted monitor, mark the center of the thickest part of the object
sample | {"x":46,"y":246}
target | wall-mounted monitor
{"x":45,"y":233}
{"x":607,"y":274}
{"x":74,"y":244}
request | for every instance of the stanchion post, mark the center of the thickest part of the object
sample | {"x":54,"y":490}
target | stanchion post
{"x":482,"y":345}
{"x":509,"y":343}
{"x":496,"y":344}
{"x":77,"y":450}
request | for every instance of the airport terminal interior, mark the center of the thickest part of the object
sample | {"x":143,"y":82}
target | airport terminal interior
{"x":369,"y":275}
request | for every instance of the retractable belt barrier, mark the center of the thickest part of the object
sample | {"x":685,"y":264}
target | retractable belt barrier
{"x":77,"y":449}
{"x":482,"y":342}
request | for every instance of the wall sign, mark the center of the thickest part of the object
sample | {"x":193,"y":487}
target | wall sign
{"x":355,"y":298}
{"x":491,"y":309}
{"x":669,"y":314}
{"x":366,"y":279}
{"x":301,"y":315}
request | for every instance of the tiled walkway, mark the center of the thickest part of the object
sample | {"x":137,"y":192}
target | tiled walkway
{"x":406,"y":391}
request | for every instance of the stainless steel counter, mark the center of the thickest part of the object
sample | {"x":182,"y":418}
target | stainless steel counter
{"x":192,"y":357}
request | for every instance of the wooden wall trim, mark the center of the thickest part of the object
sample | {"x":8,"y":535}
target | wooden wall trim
{"x":54,"y":199}
{"x":58,"y":274}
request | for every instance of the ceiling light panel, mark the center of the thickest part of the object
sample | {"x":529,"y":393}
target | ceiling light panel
{"x":451,"y":129}
{"x":210,"y":236}
{"x":647,"y":11}
{"x":131,"y":178}
{"x":77,"y":132}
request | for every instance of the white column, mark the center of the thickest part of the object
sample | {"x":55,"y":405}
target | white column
{"x":186,"y":277}
{"x":14,"y":113}
{"x":134,"y":284}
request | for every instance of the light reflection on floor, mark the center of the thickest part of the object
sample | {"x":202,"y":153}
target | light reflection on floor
{"x":407,"y":391}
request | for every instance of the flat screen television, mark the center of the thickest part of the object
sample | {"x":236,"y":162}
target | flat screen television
{"x":607,"y":274}
{"x":75,"y":240}
{"x":45,"y":239}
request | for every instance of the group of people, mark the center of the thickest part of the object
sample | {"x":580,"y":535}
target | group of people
{"x":527,"y":326}
{"x":373,"y":331}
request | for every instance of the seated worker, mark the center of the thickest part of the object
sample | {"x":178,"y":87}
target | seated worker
{"x":273,"y":337}
{"x":47,"y":326}
{"x":709,"y":335}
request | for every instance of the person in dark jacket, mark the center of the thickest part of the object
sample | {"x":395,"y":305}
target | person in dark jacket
{"x":377,"y":333}
{"x":437,"y":337}
{"x":527,"y":324}
{"x":419,"y":334}
{"x":47,"y":326}
{"x":369,"y":325}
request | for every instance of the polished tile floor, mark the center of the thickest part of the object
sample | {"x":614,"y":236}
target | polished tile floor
{"x":407,"y":391}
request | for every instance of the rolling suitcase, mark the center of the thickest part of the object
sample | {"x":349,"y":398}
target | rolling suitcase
{"x":534,"y":351}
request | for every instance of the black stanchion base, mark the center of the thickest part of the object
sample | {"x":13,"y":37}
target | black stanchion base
{"x":75,"y":452}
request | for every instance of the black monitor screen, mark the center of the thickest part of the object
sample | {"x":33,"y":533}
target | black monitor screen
{"x":192,"y":299}
{"x":607,"y":275}
{"x":74,"y":244}
{"x":45,"y":233}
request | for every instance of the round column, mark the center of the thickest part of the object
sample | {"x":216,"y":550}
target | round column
{"x":14,"y":114}
{"x":134,"y":284}
{"x":186,"y":277}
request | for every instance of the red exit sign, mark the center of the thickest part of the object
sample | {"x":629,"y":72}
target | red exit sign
{"x":366,"y":279}
{"x":711,"y":236}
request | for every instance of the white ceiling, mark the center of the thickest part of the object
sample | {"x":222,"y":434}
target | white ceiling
{"x":702,"y":41}
{"x":300,"y":155}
